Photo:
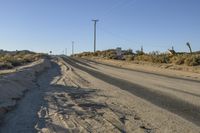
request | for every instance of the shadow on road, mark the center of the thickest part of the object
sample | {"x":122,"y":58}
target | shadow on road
{"x":145,"y":72}
{"x":174,"y":105}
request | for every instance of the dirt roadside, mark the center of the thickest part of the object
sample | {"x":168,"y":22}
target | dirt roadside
{"x":14,"y":85}
{"x":166,"y":69}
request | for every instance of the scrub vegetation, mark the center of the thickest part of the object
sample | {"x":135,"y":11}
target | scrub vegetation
{"x":9,"y":60}
{"x":189,"y":59}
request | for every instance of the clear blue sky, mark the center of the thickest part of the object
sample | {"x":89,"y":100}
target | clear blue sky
{"x":44,"y":25}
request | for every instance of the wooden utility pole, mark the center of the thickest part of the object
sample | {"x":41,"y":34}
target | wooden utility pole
{"x":142,"y":49}
{"x":72,"y":47}
{"x":66,"y":51}
{"x":95,"y":22}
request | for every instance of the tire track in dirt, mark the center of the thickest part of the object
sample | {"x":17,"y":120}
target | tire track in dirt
{"x":71,"y":106}
{"x":172,"y":104}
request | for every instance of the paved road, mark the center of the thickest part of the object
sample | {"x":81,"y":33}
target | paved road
{"x":175,"y":94}
{"x":77,"y":95}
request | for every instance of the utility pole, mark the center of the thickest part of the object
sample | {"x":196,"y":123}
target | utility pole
{"x":66,"y":51}
{"x":72,"y":47}
{"x":142,"y":49}
{"x":95,"y":21}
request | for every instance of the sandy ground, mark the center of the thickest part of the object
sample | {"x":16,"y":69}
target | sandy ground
{"x":76,"y":95}
{"x":16,"y":83}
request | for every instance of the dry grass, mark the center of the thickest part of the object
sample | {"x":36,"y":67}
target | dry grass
{"x":178,"y":59}
{"x":108,"y":54}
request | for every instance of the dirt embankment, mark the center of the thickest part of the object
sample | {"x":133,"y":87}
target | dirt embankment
{"x":14,"y":85}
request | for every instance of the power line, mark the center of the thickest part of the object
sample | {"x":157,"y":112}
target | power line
{"x":116,"y":5}
{"x":121,"y":4}
{"x":118,"y":36}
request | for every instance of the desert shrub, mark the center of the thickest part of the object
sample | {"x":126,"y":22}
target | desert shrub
{"x":178,"y":59}
{"x":192,"y":60}
{"x":154,"y":53}
{"x":138,"y":52}
{"x":155,"y":57}
{"x":95,"y":54}
{"x":12,"y":59}
{"x":162,"y":58}
{"x":84,"y":54}
{"x":5,"y":65}
{"x":111,"y":56}
{"x":38,"y":56}
{"x":187,"y":59}
{"x":128,"y":57}
{"x":128,"y":52}
{"x":143,"y":57}
{"x":16,"y":62}
{"x":28,"y":58}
